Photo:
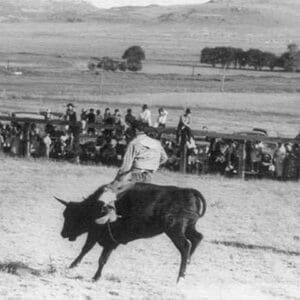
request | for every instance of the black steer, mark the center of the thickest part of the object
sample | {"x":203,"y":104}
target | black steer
{"x":145,"y":210}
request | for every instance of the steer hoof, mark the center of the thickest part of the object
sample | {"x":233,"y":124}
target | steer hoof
{"x":72,"y":265}
{"x":96,"y":277}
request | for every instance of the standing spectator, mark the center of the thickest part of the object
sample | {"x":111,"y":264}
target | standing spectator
{"x":279,"y":157}
{"x":83,"y":115}
{"x":184,"y":125}
{"x":99,"y":118}
{"x":129,"y":118}
{"x":108,"y":121}
{"x":116,"y":112}
{"x":256,"y":156}
{"x":71,"y":117}
{"x":162,"y":118}
{"x":70,"y":113}
{"x":107,"y":114}
{"x":47,"y":143}
{"x":145,"y":115}
{"x":290,"y":163}
{"x":91,"y":117}
{"x":296,"y":151}
{"x":83,"y":120}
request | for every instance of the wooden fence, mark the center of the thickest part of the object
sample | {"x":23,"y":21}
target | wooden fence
{"x":241,"y":138}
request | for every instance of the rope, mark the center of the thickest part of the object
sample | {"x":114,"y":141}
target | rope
{"x":110,"y":233}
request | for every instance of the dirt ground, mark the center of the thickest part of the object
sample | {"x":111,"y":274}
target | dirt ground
{"x":251,"y":248}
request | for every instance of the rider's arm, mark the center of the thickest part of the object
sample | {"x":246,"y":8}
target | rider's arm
{"x":127,"y":160}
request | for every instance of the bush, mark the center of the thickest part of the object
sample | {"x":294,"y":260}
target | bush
{"x":123,"y":66}
{"x":134,"y":52}
{"x":134,"y":56}
{"x":134,"y":65}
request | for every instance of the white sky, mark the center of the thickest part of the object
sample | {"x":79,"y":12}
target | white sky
{"x":113,"y":3}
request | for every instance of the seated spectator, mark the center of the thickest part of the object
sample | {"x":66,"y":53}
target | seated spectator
{"x":162,"y":118}
{"x":109,"y":152}
{"x":232,"y":159}
{"x":145,"y":115}
{"x":120,"y":126}
{"x":256,"y":156}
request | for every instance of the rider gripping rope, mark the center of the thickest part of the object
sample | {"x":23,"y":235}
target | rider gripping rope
{"x":143,"y":157}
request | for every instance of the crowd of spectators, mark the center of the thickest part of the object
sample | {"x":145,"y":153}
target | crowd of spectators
{"x":103,"y":138}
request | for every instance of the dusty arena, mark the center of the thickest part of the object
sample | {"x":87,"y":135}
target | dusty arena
{"x":244,"y":108}
{"x":250,"y":250}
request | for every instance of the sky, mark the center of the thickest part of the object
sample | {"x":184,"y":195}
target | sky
{"x":114,"y":3}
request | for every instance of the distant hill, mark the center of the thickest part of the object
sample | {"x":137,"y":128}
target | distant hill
{"x":45,"y":10}
{"x":262,"y":13}
{"x":237,"y":12}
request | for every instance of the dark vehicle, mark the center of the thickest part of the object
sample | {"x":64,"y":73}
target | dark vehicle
{"x":145,"y":210}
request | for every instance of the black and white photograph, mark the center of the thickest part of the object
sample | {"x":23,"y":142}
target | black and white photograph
{"x":150,"y":149}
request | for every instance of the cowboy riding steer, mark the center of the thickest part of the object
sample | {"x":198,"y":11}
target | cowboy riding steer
{"x":145,"y":210}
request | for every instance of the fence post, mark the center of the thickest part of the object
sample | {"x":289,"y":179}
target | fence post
{"x":27,"y":139}
{"x":76,"y":145}
{"x":183,"y":159}
{"x":183,"y":152}
{"x":242,"y":158}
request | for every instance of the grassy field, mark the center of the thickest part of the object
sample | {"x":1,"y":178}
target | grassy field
{"x":225,"y":112}
{"x":165,"y":41}
{"x":251,"y":247}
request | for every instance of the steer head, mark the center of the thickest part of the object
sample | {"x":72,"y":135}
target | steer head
{"x":79,"y":217}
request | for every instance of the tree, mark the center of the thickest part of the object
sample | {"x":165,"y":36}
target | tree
{"x":134,"y":56}
{"x":208,"y":56}
{"x":269,"y":60}
{"x":225,"y":56}
{"x":290,"y":59}
{"x":255,"y":59}
{"x":239,"y":58}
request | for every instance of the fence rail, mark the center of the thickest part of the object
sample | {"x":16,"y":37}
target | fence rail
{"x":242,"y":138}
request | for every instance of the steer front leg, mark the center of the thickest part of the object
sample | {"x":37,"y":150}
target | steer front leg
{"x":89,"y":244}
{"x":102,"y":261}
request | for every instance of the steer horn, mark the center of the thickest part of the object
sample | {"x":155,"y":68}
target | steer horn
{"x":61,"y":201}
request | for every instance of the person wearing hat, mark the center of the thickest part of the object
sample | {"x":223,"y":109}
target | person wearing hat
{"x":143,"y":157}
{"x":184,"y":125}
{"x":70,"y":113}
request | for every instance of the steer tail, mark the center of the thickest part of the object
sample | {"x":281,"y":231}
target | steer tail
{"x":201,"y":203}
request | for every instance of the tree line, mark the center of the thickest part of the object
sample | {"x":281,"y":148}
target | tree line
{"x":238,"y":58}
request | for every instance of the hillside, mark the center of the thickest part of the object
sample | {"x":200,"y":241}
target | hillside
{"x":45,"y":10}
{"x":233,"y":12}
{"x":216,"y":12}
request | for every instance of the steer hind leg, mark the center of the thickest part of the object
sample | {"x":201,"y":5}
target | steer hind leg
{"x":89,"y":244}
{"x":195,"y":237}
{"x":176,"y":234}
{"x":102,"y":261}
